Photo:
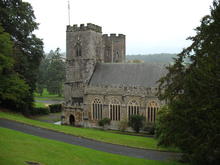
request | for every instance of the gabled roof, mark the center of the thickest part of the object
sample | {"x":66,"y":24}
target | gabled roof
{"x":144,"y":74}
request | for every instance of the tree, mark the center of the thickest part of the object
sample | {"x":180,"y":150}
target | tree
{"x":136,"y":122}
{"x":191,"y":120}
{"x":42,"y":77}
{"x":52,"y":73}
{"x":56,"y":72}
{"x":17,"y":18}
{"x":13,"y":89}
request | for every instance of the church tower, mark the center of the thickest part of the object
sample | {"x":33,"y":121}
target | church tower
{"x":83,"y":50}
{"x":114,"y":48}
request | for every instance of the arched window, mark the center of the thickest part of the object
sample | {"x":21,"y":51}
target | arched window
{"x":133,"y":108}
{"x":152,"y":109}
{"x":97,"y":107}
{"x":114,"y":109}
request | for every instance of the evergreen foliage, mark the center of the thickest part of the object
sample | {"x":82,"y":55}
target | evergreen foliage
{"x":136,"y":122}
{"x":191,"y":121}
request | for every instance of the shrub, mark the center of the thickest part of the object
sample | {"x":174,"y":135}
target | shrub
{"x":55,"y":108}
{"x":123,"y":125}
{"x":105,"y":121}
{"x":136,"y":122}
{"x":149,"y":127}
{"x":40,"y":111}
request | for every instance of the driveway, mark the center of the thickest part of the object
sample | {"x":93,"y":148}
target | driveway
{"x":96,"y":145}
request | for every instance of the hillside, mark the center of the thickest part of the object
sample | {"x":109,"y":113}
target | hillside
{"x":163,"y":58}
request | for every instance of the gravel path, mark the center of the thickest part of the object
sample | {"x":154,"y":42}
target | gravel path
{"x":106,"y":147}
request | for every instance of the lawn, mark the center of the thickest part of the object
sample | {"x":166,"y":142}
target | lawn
{"x":18,"y":148}
{"x":39,"y":105}
{"x":47,"y":96}
{"x":99,"y":135}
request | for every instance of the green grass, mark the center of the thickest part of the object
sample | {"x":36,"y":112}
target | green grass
{"x":49,"y":98}
{"x":47,"y":95}
{"x":99,"y":135}
{"x":39,"y":105}
{"x":17,"y":148}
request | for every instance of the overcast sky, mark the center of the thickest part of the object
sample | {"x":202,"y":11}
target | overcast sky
{"x":150,"y":26}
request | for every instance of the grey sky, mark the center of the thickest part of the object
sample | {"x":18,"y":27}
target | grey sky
{"x":150,"y":26}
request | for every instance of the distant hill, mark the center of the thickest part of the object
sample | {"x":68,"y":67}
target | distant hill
{"x":163,"y":58}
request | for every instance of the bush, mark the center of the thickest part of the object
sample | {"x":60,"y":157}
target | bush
{"x":149,"y":127}
{"x":136,"y":122}
{"x":123,"y":125}
{"x":40,"y":111}
{"x":105,"y":121}
{"x":55,"y":108}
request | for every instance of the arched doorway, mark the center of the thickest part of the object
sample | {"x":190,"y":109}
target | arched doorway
{"x":72,"y":120}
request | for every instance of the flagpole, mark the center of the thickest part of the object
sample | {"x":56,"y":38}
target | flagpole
{"x":69,"y":11}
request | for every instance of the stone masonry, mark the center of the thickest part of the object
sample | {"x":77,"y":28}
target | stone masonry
{"x":91,"y":86}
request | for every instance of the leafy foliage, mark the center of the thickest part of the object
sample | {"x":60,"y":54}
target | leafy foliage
{"x":55,"y":108}
{"x":191,"y":121}
{"x":13,"y":89}
{"x":18,"y":20}
{"x":149,"y":128}
{"x":105,"y":121}
{"x":136,"y":122}
{"x":40,"y":111}
{"x":51,"y":73}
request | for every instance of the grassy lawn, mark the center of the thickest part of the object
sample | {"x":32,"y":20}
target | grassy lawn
{"x":47,"y":96}
{"x":39,"y":105}
{"x":99,"y":135}
{"x":17,"y":148}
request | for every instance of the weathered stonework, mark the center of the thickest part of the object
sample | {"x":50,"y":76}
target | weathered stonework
{"x":86,"y":103}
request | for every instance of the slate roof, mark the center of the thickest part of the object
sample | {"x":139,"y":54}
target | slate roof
{"x":143,"y":74}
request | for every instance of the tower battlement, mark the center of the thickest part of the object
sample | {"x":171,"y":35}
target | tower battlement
{"x":83,"y":27}
{"x":113,"y":35}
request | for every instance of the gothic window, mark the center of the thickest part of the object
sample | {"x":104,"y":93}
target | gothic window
{"x":133,"y":108}
{"x":152,"y":109}
{"x":114,"y":109}
{"x":78,"y":48}
{"x":97,"y":107}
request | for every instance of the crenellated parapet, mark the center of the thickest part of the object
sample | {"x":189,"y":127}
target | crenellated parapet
{"x":113,"y":36}
{"x":84,"y":27}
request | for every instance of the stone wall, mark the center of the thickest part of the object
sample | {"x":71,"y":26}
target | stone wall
{"x":80,"y":66}
{"x":114,"y":48}
{"x":141,"y":95}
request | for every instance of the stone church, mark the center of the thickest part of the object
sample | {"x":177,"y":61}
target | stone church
{"x":99,"y":84}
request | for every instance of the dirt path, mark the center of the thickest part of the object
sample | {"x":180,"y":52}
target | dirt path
{"x":106,"y":147}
